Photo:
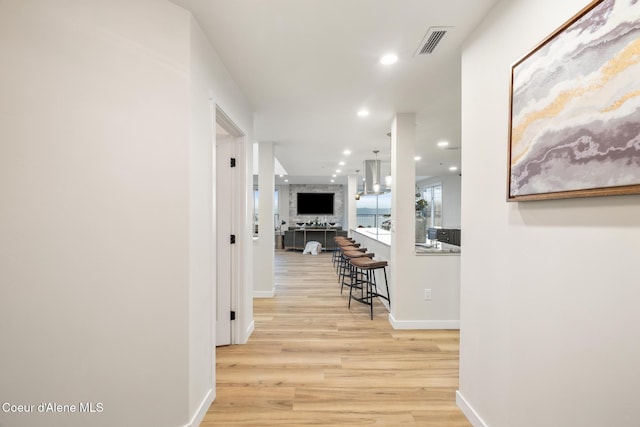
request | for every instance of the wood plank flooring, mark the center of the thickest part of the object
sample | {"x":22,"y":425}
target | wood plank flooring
{"x":313,"y":362}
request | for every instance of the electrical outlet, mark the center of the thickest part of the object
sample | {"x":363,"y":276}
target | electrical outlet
{"x":427,"y":294}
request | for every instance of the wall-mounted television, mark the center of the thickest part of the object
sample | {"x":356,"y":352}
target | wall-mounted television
{"x":315,"y":203}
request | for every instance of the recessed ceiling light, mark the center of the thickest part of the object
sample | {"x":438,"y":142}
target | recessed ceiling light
{"x":416,"y":158}
{"x":363,"y":113}
{"x":286,"y":180}
{"x":453,"y":168}
{"x":333,"y":180}
{"x":338,"y":171}
{"x":281,"y":175}
{"x":346,"y":152}
{"x":443,"y":143}
{"x":341,"y":163}
{"x":334,"y":175}
{"x":389,"y":59}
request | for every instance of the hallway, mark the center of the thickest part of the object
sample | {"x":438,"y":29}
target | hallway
{"x":311,"y":361}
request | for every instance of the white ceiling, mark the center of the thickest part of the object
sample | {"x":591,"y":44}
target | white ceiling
{"x":308,"y":66}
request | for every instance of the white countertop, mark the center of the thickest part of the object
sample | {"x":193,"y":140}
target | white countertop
{"x":430,"y":248}
{"x":382,"y":236}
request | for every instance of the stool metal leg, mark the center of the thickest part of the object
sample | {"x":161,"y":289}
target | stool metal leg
{"x":365,"y":280}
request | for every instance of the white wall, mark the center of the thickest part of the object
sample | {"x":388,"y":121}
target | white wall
{"x":263,"y":268}
{"x":202,"y":248}
{"x":229,"y":98}
{"x":106,"y":169}
{"x":94,"y":183}
{"x":549,"y":302}
{"x":411,"y":274}
{"x":351,"y":211}
{"x":211,"y":84}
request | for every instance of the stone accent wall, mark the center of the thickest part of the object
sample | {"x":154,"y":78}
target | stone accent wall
{"x":338,"y":203}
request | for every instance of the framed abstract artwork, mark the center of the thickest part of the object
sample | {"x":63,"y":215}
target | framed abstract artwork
{"x":574,"y":128}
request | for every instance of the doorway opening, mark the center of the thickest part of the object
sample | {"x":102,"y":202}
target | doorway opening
{"x":229,"y":140}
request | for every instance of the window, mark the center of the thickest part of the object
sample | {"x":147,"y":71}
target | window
{"x":373,"y":210}
{"x":433,"y":195}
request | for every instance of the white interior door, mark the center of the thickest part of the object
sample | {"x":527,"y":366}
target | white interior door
{"x":224,"y":226}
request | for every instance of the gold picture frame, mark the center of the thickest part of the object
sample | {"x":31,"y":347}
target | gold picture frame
{"x":574,"y":117}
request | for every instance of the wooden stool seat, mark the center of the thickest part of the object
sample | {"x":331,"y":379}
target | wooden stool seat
{"x":341,"y":243}
{"x":352,"y":249}
{"x":358,"y":254}
{"x":368,"y":264}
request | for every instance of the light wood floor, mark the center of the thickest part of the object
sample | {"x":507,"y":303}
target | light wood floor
{"x":313,"y":362}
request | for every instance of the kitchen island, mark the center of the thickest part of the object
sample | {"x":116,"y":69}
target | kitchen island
{"x":431,"y":298}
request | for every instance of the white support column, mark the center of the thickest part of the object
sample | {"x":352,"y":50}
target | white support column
{"x":352,"y":189}
{"x":403,"y":175}
{"x":264,"y":249}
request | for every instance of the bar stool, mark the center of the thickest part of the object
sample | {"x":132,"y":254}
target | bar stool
{"x":346,"y":268}
{"x":365,"y":269}
{"x":341,"y":261}
{"x":342,"y":244}
{"x":339,"y":241}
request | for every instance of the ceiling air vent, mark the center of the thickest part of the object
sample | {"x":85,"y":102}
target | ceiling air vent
{"x":431,"y":40}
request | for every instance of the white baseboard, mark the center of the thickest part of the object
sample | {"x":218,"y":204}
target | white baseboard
{"x":202,"y":409}
{"x":468,"y":411}
{"x":246,"y":334}
{"x":249,"y":331}
{"x":423,"y":324}
{"x":264,"y":294}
